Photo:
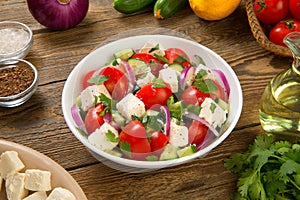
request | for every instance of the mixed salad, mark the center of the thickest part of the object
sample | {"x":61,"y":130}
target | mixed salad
{"x":152,"y":104}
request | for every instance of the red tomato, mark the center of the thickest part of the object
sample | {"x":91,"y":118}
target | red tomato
{"x":271,"y":11}
{"x":147,"y":58}
{"x":281,"y":29}
{"x":176,"y":55}
{"x":192,"y":96}
{"x":294,"y":6}
{"x":86,"y":78}
{"x":197,"y":132}
{"x":117,"y":84}
{"x":135,"y":135}
{"x":151,"y":95}
{"x":93,"y":120}
{"x":220,"y":92}
{"x":158,"y":141}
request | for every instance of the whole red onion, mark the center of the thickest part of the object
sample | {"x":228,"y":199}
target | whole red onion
{"x":58,"y":14}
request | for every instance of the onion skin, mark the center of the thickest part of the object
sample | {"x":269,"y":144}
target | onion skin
{"x":58,"y":14}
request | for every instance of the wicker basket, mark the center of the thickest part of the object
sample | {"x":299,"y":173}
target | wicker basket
{"x":260,"y":33}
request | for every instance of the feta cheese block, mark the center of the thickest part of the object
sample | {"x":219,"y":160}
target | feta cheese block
{"x":145,"y":80}
{"x":60,"y":193}
{"x":37,"y":180}
{"x":179,"y":135}
{"x":15,"y":186}
{"x":10,"y":163}
{"x":99,"y":139}
{"x":41,"y":195}
{"x":131,"y":105}
{"x":87,"y":96}
{"x":212,"y":113}
{"x":150,"y":45}
{"x":169,"y":76}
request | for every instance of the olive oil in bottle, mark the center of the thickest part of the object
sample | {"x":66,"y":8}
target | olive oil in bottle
{"x":280,"y":103}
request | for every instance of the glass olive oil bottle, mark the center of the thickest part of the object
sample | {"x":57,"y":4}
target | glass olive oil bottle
{"x":280,"y":103}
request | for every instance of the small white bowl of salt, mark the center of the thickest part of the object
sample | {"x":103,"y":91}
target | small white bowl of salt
{"x":16,"y":40}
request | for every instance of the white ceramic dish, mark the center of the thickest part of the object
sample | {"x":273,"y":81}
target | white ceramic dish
{"x":104,"y":53}
{"x":32,"y":159}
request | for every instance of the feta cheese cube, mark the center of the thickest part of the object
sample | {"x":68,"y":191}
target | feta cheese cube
{"x":179,"y":135}
{"x":141,"y":82}
{"x":98,"y":137}
{"x":41,"y":195}
{"x":131,"y":105}
{"x":87,"y":96}
{"x":169,"y":76}
{"x":150,"y":45}
{"x":212,"y":113}
{"x":10,"y":163}
{"x":37,"y":180}
{"x":15,"y":186}
{"x":61,"y":194}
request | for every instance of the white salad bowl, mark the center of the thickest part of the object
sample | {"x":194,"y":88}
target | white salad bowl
{"x":103,"y":54}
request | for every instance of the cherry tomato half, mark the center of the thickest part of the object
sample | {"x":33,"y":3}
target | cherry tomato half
{"x":294,"y":6}
{"x":93,"y":120}
{"x":87,"y":78}
{"x":197,"y":132}
{"x":135,"y":135}
{"x":176,"y":55}
{"x":146,"y":57}
{"x":158,"y":141}
{"x":281,"y":29}
{"x":271,"y":11}
{"x":151,"y":95}
{"x":193,"y":96}
{"x":117,"y":84}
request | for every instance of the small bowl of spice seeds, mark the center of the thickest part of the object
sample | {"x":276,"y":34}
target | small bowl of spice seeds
{"x":18,"y":81}
{"x":16,"y":39}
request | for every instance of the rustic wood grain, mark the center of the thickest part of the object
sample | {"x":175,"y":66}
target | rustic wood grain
{"x":39,"y":123}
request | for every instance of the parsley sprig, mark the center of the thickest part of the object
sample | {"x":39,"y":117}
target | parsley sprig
{"x":269,"y":169}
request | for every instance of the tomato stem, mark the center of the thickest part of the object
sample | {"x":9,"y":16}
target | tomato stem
{"x":290,"y":25}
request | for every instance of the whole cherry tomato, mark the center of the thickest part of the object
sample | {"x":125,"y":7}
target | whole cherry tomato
{"x":197,"y":132}
{"x":152,"y":95}
{"x":117,"y":84}
{"x":176,"y":55}
{"x":271,"y":11}
{"x":281,"y":29}
{"x":134,"y":141}
{"x":93,"y":120}
{"x":294,"y":6}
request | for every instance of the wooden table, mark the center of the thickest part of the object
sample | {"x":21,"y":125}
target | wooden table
{"x":39,"y":123}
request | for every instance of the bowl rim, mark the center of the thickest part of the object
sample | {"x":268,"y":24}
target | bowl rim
{"x":15,"y":61}
{"x":153,"y":164}
{"x":26,"y":45}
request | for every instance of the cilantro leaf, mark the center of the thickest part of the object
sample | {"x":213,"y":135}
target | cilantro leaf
{"x":125,"y":148}
{"x":201,"y":61}
{"x":111,"y":137}
{"x":158,"y":83}
{"x":98,"y":79}
{"x":154,"y":48}
{"x":181,"y":58}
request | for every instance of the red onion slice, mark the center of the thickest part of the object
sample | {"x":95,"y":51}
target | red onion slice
{"x":168,"y":119}
{"x":128,"y":69}
{"x":77,"y":118}
{"x":223,"y":79}
{"x":196,"y":117}
{"x":186,"y":75}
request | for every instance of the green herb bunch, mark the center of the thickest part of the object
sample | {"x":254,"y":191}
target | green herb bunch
{"x":269,"y":170}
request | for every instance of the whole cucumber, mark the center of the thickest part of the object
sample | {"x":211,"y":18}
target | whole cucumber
{"x":130,"y":6}
{"x":166,"y":8}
